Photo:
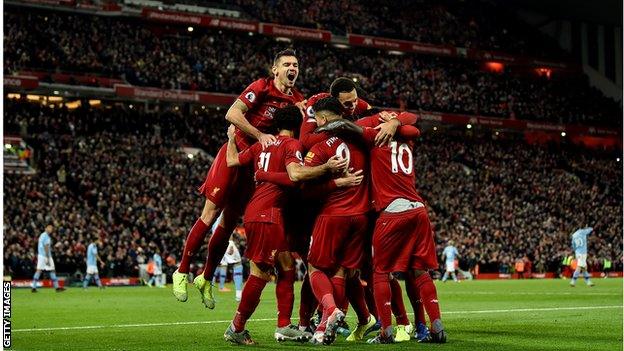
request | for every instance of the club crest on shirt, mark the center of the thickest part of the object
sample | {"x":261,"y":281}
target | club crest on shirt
{"x":250,"y":96}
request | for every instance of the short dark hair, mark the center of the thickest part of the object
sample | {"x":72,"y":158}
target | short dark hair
{"x":285,"y":52}
{"x":341,"y":85}
{"x":288,"y":118}
{"x":330,"y":104}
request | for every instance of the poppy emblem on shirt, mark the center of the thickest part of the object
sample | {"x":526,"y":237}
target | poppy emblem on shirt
{"x":215,"y":191}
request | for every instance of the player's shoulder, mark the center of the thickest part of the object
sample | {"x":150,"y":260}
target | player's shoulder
{"x":316,"y":97}
{"x":261,"y":82}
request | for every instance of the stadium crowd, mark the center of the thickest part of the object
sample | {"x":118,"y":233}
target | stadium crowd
{"x":170,"y":57}
{"x":118,"y":173}
{"x":469,"y":24}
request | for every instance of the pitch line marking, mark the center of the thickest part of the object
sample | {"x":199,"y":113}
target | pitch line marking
{"x":274,"y":319}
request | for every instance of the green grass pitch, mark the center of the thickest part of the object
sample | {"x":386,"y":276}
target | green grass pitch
{"x":478,"y":315}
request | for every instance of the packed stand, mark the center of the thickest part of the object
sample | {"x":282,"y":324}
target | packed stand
{"x":171,"y":58}
{"x":503,"y":200}
{"x":470,"y":24}
{"x":114,"y":173}
{"x":119,"y":174}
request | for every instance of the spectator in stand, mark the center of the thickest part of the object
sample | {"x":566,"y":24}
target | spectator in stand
{"x":169,"y":57}
{"x":495,"y":198}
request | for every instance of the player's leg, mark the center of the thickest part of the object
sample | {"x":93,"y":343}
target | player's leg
{"x":55,"y":281}
{"x":383,"y":300}
{"x":218,"y":244}
{"x":250,"y":299}
{"x":355,"y":295}
{"x":422,"y":332}
{"x":285,"y":293}
{"x":216,"y":188}
{"x":445,"y":276}
{"x":307,"y":305}
{"x":454,"y":276}
{"x":587,"y":277}
{"x":35,"y":279}
{"x":237,"y":277}
{"x":86,"y":280}
{"x":222,"y":275}
{"x":98,"y":282}
{"x":404,"y":328}
{"x":424,"y":258}
{"x":575,"y":276}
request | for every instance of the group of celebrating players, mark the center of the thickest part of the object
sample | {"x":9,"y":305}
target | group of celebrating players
{"x":349,"y":209}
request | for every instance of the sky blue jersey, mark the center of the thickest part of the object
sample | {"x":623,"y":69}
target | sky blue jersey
{"x":579,"y":240}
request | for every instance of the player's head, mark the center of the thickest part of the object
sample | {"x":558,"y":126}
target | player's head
{"x":327,"y":109}
{"x":49,"y":228}
{"x":287,"y":118}
{"x":345,"y":91}
{"x":286,"y":67}
{"x":451,"y":242}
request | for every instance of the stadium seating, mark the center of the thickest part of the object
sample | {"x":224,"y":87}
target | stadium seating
{"x":169,"y":57}
{"x":118,"y":172}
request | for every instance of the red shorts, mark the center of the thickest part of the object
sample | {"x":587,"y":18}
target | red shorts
{"x":224,"y":183}
{"x":264,"y":241}
{"x":338,"y":241}
{"x":404,"y":241}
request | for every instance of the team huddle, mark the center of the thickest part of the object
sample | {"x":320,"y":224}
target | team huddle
{"x":332,"y":180}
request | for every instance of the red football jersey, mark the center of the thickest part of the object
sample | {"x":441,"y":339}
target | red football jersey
{"x":309,"y":123}
{"x":268,"y":196}
{"x":263,"y":99}
{"x":342,"y":201}
{"x":391,"y":167}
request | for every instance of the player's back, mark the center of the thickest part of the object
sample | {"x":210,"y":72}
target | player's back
{"x":579,"y":240}
{"x":272,"y":159}
{"x":44,"y":239}
{"x":450,"y":252}
{"x":349,"y":200}
{"x":91,"y":254}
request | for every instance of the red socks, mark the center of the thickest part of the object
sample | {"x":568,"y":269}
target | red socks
{"x":414,"y":296}
{"x":249,"y":301}
{"x":308,"y":303}
{"x":194,"y":240}
{"x":383,"y":298}
{"x":217,"y":245}
{"x":340,"y":295}
{"x":398,"y":307}
{"x":428,"y":296}
{"x":355,"y":295}
{"x":285,"y":293}
{"x":323,"y":290}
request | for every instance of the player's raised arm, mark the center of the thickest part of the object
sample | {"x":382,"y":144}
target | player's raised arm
{"x":236,"y":116}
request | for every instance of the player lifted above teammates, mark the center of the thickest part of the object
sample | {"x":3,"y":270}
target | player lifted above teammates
{"x":403,"y":240}
{"x":229,"y":189}
{"x":264,"y":223}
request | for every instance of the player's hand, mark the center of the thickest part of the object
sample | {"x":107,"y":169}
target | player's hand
{"x":266,"y":140}
{"x":336,"y":164}
{"x":302,"y":107}
{"x":350,"y":179}
{"x":231,"y":132}
{"x":385,"y":116}
{"x":47,"y":261}
{"x":387,"y":130}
